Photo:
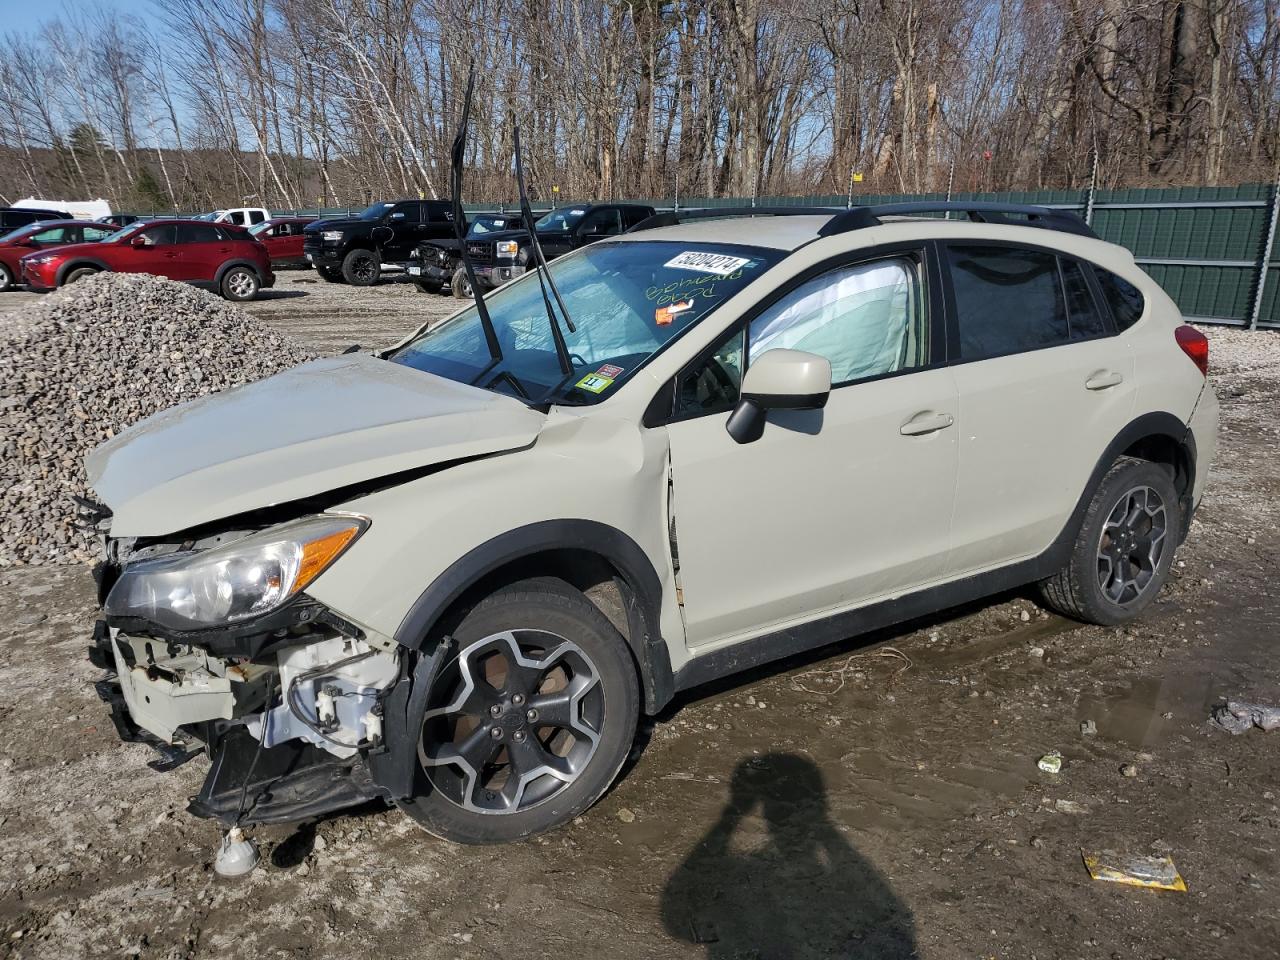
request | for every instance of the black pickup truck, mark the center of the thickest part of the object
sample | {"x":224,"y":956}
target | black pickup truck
{"x":353,"y":249}
{"x":499,"y":254}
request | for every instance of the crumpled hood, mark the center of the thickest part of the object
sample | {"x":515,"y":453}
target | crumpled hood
{"x":317,"y":427}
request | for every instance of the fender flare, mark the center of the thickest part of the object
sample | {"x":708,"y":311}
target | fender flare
{"x":642,"y":590}
{"x":239,"y":262}
{"x":1154,"y":424}
{"x":61,"y":276}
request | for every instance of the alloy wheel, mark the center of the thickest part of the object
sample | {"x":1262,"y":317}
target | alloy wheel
{"x":240,"y":283}
{"x":521,"y":720}
{"x":1132,"y":544}
{"x":365,"y":269}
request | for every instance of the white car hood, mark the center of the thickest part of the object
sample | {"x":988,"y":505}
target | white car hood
{"x":318,"y":427}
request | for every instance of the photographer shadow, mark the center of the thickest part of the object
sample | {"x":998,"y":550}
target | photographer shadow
{"x":789,"y":888}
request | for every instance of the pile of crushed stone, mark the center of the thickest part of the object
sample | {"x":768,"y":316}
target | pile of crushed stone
{"x":80,"y":365}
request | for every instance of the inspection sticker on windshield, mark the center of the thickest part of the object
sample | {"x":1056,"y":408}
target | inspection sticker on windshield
{"x":609,"y":371}
{"x":721,"y":264}
{"x":595,"y":383}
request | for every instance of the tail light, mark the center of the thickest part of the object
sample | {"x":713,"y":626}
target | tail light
{"x":1195,"y":345}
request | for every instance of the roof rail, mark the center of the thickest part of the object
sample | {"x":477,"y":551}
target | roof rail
{"x":978,"y":211}
{"x":672,"y":218}
{"x":856,"y":218}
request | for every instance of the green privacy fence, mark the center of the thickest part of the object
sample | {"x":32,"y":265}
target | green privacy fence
{"x":1211,"y":248}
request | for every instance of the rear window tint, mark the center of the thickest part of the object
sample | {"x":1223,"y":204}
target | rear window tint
{"x":1124,"y":299}
{"x":1008,"y":300}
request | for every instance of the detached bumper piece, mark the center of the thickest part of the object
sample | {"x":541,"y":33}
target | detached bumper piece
{"x":289,"y":782}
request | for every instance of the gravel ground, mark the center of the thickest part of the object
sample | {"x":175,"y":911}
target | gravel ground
{"x":878,"y":799}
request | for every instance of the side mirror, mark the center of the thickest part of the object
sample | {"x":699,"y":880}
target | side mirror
{"x":397,"y":216}
{"x":28,"y":242}
{"x":139,"y":242}
{"x":779,"y":380}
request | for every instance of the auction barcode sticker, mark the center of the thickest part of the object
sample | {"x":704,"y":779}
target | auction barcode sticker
{"x":720,"y":264}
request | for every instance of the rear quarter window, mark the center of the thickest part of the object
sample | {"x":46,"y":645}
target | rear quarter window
{"x":1125,"y":300}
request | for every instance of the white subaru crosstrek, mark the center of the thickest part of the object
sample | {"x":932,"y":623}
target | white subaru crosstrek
{"x":453,"y":574}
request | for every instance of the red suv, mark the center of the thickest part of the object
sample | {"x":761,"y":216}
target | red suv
{"x":282,"y":236}
{"x":16,"y":244}
{"x":212,"y":255}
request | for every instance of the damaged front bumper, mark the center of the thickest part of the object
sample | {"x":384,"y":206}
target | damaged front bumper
{"x":310,"y":724}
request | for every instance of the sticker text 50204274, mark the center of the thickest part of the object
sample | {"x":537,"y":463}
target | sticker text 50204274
{"x":721,"y":264}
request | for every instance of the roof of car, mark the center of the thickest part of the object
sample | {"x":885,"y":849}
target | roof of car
{"x":778,"y":233}
{"x":792,"y":231}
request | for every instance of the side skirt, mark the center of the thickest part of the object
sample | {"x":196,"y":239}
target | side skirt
{"x":852,"y":623}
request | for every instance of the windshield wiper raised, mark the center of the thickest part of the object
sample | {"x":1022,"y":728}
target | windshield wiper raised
{"x":459,"y":220}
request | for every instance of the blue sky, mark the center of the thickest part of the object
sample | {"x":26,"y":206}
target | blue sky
{"x":22,"y":15}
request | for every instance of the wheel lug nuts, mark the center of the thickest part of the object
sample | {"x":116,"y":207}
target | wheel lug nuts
{"x":518,"y":699}
{"x":518,"y":736}
{"x":496,"y":733}
{"x":531,"y":716}
{"x":495,"y":710}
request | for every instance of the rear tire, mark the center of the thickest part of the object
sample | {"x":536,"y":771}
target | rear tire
{"x":79,"y":273}
{"x":530,"y":720}
{"x":425,"y":286}
{"x":461,"y":285}
{"x":6,"y":278}
{"x":361,"y":268}
{"x":1124,"y":551}
{"x":332,"y":274}
{"x":240,"y":284}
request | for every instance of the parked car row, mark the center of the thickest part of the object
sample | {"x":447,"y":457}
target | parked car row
{"x":45,"y":249}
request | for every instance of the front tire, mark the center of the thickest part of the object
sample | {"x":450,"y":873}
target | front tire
{"x":79,"y":273}
{"x":461,"y":285}
{"x":6,"y":278}
{"x":240,"y":284}
{"x":331,"y":274}
{"x":361,"y":268}
{"x":1124,"y":551}
{"x":530,"y":719}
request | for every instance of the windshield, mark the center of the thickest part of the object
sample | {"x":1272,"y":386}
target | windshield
{"x":123,"y":232}
{"x":481,"y":225}
{"x":561,"y":218}
{"x":375,"y":212}
{"x":627,"y":300}
{"x":258,"y":228}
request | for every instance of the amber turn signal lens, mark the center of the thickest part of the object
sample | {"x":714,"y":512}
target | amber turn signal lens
{"x":318,"y":554}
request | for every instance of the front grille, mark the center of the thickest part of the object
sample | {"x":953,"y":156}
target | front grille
{"x":480,"y":252}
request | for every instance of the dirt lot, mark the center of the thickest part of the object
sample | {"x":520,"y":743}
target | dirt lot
{"x":878,"y":800}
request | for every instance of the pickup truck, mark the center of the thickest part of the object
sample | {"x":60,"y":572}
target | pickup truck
{"x":499,"y":254}
{"x":353,"y":249}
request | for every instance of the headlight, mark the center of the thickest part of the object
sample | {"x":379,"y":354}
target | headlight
{"x":41,"y":258}
{"x":508,"y":248}
{"x":331,"y":235}
{"x":235,"y":582}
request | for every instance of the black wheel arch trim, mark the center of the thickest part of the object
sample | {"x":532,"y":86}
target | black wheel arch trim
{"x":231,"y":265}
{"x":851,"y":623}
{"x":640,"y":586}
{"x":61,"y":276}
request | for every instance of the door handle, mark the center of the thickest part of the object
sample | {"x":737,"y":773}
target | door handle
{"x":926,"y":422}
{"x":1103,"y":379}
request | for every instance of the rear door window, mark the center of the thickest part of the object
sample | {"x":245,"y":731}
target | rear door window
{"x":411,"y":209}
{"x":198,"y":233}
{"x":1008,"y":300}
{"x":257,"y":216}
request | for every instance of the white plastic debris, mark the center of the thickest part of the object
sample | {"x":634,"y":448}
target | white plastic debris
{"x":237,"y":855}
